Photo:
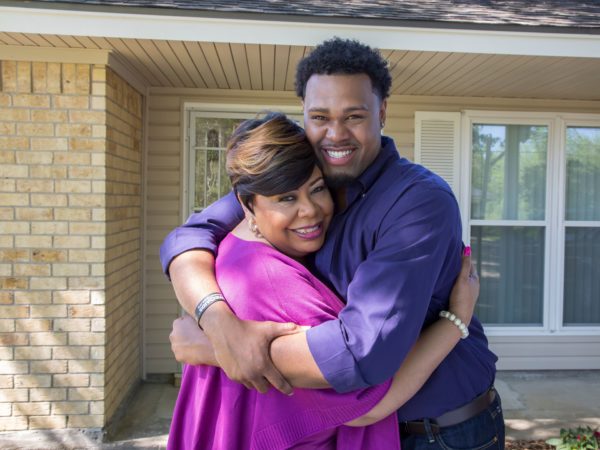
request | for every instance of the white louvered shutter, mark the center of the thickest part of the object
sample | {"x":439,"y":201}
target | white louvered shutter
{"x":437,"y":145}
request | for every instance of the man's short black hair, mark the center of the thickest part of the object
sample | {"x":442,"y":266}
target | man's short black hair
{"x":345,"y":57}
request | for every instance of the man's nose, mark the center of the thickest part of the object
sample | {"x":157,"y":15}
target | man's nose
{"x":337,"y":131}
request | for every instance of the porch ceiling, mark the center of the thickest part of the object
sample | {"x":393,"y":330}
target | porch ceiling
{"x":217,"y":65}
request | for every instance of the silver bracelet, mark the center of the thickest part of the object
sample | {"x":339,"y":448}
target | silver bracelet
{"x":203,"y":305}
{"x":464,"y":330}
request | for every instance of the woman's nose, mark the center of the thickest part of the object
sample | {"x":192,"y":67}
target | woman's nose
{"x":307,"y":208}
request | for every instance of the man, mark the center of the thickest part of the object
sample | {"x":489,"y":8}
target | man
{"x":392,"y":253}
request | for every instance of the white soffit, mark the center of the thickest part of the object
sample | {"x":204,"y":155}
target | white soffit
{"x":193,"y":28}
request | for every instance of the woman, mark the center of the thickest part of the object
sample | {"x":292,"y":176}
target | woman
{"x":278,"y":181}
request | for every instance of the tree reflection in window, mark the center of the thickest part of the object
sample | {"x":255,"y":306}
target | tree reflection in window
{"x":210,"y":179}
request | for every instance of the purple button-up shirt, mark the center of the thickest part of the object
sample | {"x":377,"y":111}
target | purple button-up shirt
{"x":393,"y":255}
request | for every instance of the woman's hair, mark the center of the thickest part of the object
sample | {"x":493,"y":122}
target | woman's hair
{"x":268,"y":156}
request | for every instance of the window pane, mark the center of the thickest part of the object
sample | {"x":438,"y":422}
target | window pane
{"x":199,"y":176}
{"x":211,"y":181}
{"x":509,"y":172}
{"x":583,"y":174}
{"x":510,"y":262}
{"x":582,"y":283}
{"x":212,"y":176}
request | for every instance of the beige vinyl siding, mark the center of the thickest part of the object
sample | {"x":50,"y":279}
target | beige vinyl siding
{"x":401,"y":112}
{"x":546,"y":352}
{"x":163,"y":205}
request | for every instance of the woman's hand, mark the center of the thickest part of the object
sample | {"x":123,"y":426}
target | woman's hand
{"x":465,"y":292}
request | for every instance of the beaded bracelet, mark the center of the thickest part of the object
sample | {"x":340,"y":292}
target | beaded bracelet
{"x":203,"y":305}
{"x":464,"y":331}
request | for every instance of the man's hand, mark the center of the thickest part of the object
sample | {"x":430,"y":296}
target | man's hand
{"x":242,"y":350}
{"x":466,"y":290}
{"x":189,"y":344}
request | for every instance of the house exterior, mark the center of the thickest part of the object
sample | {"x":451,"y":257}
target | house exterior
{"x":114,"y":115}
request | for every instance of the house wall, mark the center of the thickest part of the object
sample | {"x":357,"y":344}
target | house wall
{"x":57,"y":247}
{"x":164,"y":203}
{"x":123,"y":159}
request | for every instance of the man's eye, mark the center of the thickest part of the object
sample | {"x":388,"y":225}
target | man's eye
{"x":355,"y":117}
{"x":318,"y":118}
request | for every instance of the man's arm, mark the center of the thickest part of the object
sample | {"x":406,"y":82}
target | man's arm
{"x":293,"y":358}
{"x":418,"y":245}
{"x":187,"y":255}
{"x":293,"y":355}
{"x":203,"y":230}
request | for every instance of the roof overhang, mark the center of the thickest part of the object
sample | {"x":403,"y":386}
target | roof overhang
{"x":163,"y":48}
{"x":292,"y":32}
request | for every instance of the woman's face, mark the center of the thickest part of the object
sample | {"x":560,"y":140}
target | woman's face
{"x":295,"y":222}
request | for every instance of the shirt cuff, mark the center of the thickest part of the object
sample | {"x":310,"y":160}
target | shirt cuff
{"x":336,"y":362}
{"x":180,"y":241}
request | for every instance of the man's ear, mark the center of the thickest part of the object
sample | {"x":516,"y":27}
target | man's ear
{"x":382,"y":112}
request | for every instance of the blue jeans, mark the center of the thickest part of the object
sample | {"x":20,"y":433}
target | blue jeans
{"x":484,"y":431}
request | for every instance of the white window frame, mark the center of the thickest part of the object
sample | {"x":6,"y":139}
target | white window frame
{"x":225,"y":111}
{"x":554,"y":223}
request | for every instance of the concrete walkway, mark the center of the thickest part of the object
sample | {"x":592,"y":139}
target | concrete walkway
{"x":536,"y":405}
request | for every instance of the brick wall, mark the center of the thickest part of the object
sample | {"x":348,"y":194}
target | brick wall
{"x":123,"y":222}
{"x":62,"y":192}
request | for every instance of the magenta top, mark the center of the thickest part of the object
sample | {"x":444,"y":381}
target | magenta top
{"x":213,"y":412}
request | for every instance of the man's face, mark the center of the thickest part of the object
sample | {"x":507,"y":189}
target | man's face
{"x":343,"y":119}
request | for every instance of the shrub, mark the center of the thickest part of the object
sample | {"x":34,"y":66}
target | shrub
{"x":577,"y":439}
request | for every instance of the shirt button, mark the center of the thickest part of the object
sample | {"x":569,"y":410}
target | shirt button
{"x":364,"y":195}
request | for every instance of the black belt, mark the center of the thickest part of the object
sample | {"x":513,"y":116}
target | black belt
{"x":454,"y":417}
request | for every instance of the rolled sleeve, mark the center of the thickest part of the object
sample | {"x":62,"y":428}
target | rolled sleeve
{"x":336,"y":362}
{"x":203,"y":230}
{"x":390,"y":292}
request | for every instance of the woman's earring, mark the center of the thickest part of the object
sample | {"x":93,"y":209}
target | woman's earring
{"x":254,"y":228}
{"x":382,"y":124}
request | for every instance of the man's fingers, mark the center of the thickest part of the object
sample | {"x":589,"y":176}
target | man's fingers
{"x":261,"y":385}
{"x":275,"y":379}
{"x":277,"y":329}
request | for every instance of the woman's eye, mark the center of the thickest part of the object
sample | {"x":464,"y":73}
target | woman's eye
{"x":287,"y":198}
{"x":318,"y":189}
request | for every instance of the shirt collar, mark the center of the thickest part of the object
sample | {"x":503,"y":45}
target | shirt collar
{"x":365,"y":180}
